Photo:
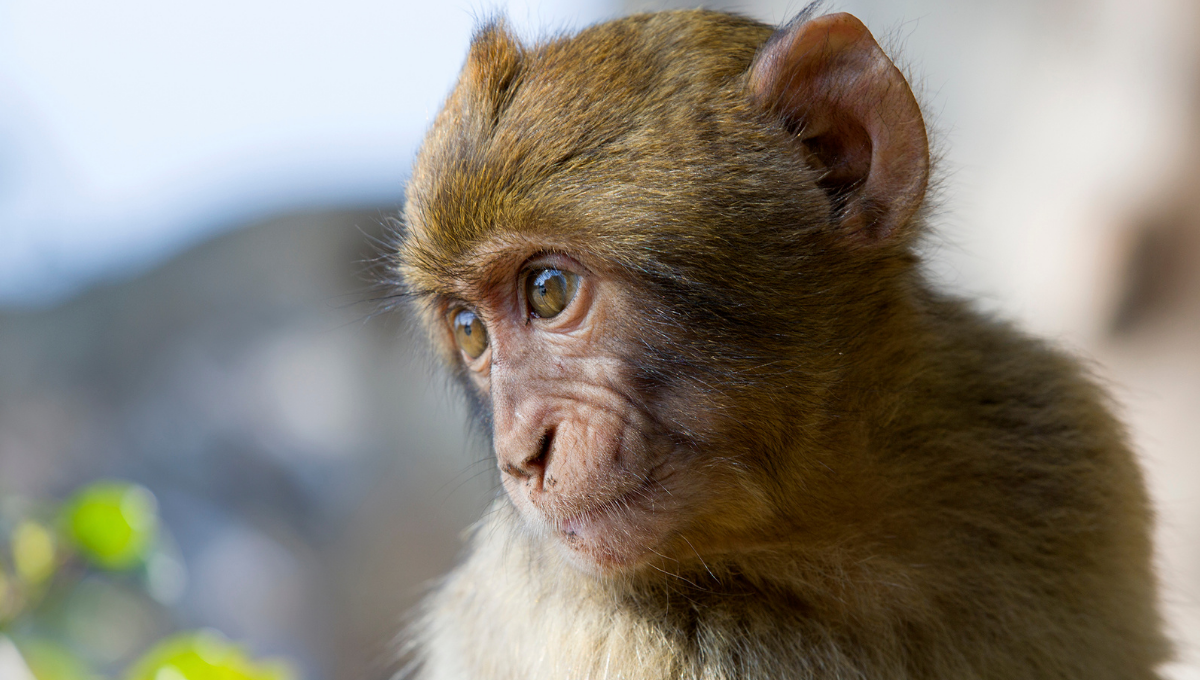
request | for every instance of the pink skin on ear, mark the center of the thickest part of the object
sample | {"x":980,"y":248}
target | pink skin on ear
{"x":855,"y":114}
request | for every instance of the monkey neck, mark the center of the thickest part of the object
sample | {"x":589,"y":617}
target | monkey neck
{"x":577,"y":625}
{"x":876,"y":379}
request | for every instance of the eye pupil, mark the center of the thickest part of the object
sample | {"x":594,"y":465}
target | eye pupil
{"x":469,"y":332}
{"x":550,"y":291}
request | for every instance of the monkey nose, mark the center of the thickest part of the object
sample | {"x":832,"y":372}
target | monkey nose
{"x":533,"y":465}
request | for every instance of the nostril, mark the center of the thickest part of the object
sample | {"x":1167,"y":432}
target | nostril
{"x":539,"y":459}
{"x":534,"y":465}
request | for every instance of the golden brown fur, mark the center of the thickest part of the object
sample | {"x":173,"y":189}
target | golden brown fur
{"x":908,"y":489}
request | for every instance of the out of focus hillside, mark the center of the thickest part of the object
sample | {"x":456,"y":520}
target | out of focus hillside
{"x":310,"y":464}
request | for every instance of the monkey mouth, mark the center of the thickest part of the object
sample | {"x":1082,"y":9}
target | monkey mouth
{"x":616,"y":533}
{"x":578,"y":522}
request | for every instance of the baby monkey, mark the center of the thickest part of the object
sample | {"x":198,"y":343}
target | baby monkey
{"x":671,"y":259}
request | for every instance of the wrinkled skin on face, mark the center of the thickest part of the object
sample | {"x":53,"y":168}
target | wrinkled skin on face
{"x":581,"y":454}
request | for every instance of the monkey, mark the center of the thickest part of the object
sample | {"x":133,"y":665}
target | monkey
{"x":672,"y":260}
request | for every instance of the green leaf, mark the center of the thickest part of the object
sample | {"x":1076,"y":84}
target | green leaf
{"x":113,"y":524}
{"x":203,"y":655}
{"x":33,"y":552}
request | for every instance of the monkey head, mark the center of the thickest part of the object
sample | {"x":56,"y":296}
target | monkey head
{"x":652,"y":267}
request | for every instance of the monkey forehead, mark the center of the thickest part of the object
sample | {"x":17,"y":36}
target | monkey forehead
{"x":627,"y":133}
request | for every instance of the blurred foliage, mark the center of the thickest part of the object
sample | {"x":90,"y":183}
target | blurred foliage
{"x":84,"y":588}
{"x":33,"y":548}
{"x":50,"y":660}
{"x":204,"y":655}
{"x":113,"y":524}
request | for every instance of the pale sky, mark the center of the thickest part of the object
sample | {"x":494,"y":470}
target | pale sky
{"x":131,"y":128}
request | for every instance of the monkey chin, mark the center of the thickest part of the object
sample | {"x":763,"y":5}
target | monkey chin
{"x":614,"y":538}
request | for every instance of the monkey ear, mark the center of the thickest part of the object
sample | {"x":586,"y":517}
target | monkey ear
{"x":855,"y":115}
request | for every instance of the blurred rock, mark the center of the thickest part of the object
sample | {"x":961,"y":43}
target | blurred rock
{"x":313,"y":467}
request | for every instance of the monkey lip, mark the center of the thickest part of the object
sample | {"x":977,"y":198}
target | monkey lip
{"x":614,"y":533}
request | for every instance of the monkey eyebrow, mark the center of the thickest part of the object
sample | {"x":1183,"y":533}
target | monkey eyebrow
{"x":424,"y":294}
{"x":419,"y":278}
{"x":426,"y":277}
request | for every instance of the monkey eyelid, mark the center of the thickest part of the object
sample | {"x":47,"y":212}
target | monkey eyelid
{"x":553,"y":259}
{"x":443,"y":305}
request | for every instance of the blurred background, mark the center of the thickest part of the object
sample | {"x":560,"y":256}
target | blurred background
{"x":191,"y":194}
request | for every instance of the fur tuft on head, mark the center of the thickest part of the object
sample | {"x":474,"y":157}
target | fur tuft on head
{"x":493,"y":66}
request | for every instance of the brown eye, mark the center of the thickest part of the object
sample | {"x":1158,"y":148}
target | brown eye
{"x":549,"y":291}
{"x":469,"y":332}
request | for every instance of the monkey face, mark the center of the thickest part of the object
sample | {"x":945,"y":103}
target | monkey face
{"x":580,"y":452}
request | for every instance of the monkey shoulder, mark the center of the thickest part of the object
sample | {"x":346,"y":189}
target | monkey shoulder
{"x":984,"y":375}
{"x":1026,"y":482}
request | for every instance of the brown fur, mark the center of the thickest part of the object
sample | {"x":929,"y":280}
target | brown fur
{"x":910,"y":490}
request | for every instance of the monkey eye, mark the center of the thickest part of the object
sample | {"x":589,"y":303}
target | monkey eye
{"x":469,"y":332}
{"x":549,"y":291}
